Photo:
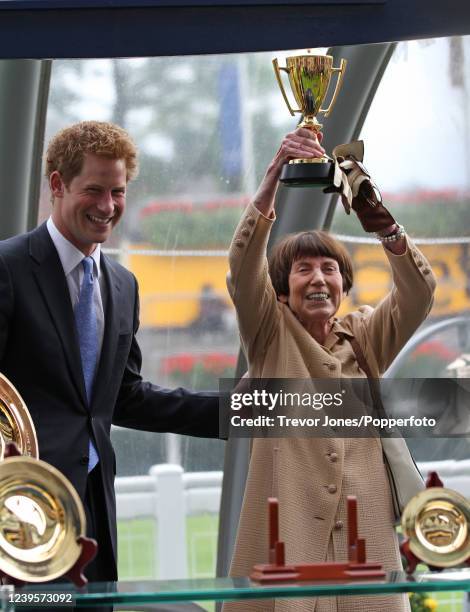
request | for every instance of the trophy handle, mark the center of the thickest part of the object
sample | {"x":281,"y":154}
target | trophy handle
{"x":339,"y":82}
{"x":277,"y":72}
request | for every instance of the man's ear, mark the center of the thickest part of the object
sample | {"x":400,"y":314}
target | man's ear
{"x":283,"y":298}
{"x":56,"y":184}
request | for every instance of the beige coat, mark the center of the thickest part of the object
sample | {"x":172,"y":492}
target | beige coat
{"x":312,"y":476}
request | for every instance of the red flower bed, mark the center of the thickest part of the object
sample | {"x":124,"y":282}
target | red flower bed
{"x":435,"y":349}
{"x":216,"y":363}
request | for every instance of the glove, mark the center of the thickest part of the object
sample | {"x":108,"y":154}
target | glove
{"x":356,"y":188}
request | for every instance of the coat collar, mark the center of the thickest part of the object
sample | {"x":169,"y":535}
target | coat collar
{"x":52,"y":284}
{"x":53,"y":287}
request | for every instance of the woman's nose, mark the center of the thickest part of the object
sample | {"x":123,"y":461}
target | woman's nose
{"x":317,"y":278}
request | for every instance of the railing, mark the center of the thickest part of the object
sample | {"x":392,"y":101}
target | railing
{"x":168,"y":497}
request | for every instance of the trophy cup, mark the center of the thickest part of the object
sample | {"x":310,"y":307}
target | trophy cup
{"x":309,"y":78}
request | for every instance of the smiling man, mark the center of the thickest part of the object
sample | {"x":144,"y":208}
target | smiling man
{"x":68,"y":322}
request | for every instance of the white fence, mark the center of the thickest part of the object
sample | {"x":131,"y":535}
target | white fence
{"x":168,"y":496}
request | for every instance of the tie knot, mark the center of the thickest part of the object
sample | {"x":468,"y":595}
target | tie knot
{"x":87,"y":263}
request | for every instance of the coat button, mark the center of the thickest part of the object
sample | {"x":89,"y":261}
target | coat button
{"x":339,"y":525}
{"x":250,"y":221}
{"x":84,"y":460}
{"x":419,"y":263}
{"x":245,"y":233}
{"x":239,"y":243}
{"x":333,"y":457}
{"x":426,"y":271}
{"x":332,"y":488}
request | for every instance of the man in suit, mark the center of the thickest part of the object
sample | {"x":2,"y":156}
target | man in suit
{"x":68,"y":322}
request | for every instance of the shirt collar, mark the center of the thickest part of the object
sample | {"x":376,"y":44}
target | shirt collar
{"x":336,"y":332}
{"x":70,"y":256}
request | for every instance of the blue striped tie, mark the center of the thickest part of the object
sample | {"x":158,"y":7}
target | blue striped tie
{"x":87,"y":329}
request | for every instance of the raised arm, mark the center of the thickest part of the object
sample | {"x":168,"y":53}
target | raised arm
{"x":248,"y":280}
{"x":301,"y":143}
{"x":391,"y":324}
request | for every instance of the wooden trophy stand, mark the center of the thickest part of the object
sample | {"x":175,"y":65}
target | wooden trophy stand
{"x":88,"y":546}
{"x":412,"y":560}
{"x":277,"y":571}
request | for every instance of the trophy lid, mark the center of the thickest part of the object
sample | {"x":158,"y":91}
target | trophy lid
{"x":436,"y":521}
{"x":41,"y":517}
{"x":16,"y":424}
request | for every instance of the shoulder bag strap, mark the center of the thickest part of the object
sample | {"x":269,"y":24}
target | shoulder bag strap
{"x":373,"y":383}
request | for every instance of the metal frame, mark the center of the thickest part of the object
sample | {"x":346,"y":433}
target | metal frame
{"x":23,"y":101}
{"x":111,"y":28}
{"x":122,"y":28}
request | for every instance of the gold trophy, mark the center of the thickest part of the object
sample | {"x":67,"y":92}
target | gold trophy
{"x":42,"y":519}
{"x":436,"y":525}
{"x":309,"y":78}
{"x":16,"y":424}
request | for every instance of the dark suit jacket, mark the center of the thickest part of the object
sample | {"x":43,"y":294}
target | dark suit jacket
{"x":39,"y":353}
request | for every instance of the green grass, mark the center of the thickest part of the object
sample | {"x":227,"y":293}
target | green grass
{"x":454,"y":597}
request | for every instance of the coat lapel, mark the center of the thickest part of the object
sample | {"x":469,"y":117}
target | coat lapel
{"x":111,"y":329}
{"x":55,"y":292}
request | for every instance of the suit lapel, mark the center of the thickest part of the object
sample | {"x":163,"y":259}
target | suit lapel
{"x":111,"y":329}
{"x":55,"y":292}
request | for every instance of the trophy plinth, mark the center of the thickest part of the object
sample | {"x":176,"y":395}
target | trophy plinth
{"x":307,"y":172}
{"x":357,"y":566}
{"x":309,"y":78}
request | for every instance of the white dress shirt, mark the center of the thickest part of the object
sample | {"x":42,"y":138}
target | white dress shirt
{"x":71,"y":259}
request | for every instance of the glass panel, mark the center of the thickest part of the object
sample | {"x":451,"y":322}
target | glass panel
{"x":243,"y":588}
{"x":195,"y":121}
{"x":417,"y":147}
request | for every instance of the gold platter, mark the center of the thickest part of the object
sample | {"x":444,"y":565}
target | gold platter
{"x":437,"y":523}
{"x":41,"y":517}
{"x":16,"y":424}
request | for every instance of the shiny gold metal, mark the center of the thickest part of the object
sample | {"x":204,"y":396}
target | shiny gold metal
{"x":16,"y":424}
{"x":309,"y":78}
{"x":41,"y":517}
{"x":436,"y":521}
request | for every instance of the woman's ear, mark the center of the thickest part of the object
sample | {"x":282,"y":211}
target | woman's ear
{"x":283,"y":298}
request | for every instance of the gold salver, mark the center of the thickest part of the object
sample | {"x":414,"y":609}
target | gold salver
{"x":16,"y":424}
{"x":436,"y":521}
{"x":41,"y":514}
{"x":41,"y":517}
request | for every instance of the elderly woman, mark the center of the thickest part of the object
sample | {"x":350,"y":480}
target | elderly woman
{"x":287,"y":313}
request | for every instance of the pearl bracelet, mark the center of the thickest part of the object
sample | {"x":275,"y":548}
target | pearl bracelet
{"x":397,"y":234}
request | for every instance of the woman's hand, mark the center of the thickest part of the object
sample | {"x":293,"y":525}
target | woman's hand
{"x":302,"y":143}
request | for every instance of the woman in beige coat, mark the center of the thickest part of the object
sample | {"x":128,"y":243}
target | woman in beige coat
{"x":289,"y":329}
